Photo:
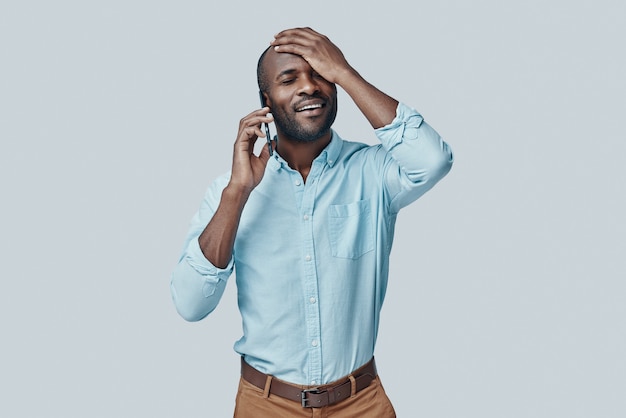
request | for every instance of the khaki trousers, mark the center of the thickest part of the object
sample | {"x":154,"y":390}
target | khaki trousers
{"x":371,"y":402}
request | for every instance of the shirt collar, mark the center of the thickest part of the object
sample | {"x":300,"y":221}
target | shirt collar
{"x":329,"y":155}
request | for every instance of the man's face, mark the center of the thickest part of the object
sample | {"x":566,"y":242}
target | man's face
{"x":303,"y":103}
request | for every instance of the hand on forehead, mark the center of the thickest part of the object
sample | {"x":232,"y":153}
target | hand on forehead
{"x":316,"y":49}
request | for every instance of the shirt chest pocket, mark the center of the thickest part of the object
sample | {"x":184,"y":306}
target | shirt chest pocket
{"x":351,"y":229}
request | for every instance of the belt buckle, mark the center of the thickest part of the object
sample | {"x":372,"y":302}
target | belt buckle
{"x":303,"y":396}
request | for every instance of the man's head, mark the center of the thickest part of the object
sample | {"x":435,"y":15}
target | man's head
{"x":303,"y":103}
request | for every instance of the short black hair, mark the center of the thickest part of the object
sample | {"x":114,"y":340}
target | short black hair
{"x":261,"y":74}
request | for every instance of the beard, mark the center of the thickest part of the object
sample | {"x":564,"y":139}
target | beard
{"x":290,"y":127}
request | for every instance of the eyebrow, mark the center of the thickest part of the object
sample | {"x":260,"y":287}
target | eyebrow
{"x":286,"y":72}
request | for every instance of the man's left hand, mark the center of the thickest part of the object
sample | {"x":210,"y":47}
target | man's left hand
{"x":321,"y":54}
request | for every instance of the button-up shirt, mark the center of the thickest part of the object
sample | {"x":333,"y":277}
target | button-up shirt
{"x":312,"y":258}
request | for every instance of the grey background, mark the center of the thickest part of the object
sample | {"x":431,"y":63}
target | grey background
{"x":506,"y":296}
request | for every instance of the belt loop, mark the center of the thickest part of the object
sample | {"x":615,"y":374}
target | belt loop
{"x":352,"y":386}
{"x":268,"y":385}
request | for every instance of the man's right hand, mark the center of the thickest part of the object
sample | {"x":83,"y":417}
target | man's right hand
{"x":248,"y":169}
{"x":218,"y":238}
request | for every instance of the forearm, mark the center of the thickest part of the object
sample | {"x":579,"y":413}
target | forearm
{"x":197,"y":284}
{"x":377,"y":107}
{"x":218,"y":238}
{"x":422,"y":156}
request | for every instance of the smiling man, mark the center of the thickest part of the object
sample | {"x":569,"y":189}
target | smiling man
{"x":309,"y":230}
{"x":315,"y":109}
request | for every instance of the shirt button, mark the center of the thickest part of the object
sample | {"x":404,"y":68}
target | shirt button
{"x":314,"y":343}
{"x":330,"y":162}
{"x":312,"y":300}
{"x":306,"y":217}
{"x":298,"y":182}
{"x":314,"y":382}
{"x":307,"y":258}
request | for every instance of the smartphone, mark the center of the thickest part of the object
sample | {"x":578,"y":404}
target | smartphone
{"x":267,"y":128}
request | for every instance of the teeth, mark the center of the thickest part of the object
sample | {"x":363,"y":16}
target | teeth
{"x":308,"y":107}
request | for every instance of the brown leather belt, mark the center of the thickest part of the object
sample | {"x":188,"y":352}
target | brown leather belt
{"x":315,"y":397}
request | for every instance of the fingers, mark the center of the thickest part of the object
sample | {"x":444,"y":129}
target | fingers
{"x":300,"y":36}
{"x":247,"y":169}
{"x":301,"y":41}
{"x":264,"y":156}
{"x":250,"y":125}
{"x":321,"y":54}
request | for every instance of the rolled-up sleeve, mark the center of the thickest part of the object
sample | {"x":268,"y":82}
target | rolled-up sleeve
{"x":419,"y":158}
{"x":196,"y":284}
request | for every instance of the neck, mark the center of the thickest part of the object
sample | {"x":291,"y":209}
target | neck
{"x":300,"y":155}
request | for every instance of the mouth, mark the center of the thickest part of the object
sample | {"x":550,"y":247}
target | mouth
{"x":310,"y":107}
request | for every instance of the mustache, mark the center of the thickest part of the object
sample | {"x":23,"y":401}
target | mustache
{"x":310,"y":97}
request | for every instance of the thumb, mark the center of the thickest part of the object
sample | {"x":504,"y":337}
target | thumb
{"x":265,"y":153}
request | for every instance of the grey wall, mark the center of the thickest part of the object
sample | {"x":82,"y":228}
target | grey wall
{"x":506,"y":296}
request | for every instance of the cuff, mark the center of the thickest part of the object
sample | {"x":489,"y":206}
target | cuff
{"x":196,"y":259}
{"x":404,"y":126}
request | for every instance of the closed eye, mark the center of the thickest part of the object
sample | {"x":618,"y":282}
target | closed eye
{"x":316,"y":76}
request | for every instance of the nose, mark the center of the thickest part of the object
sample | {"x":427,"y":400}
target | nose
{"x":308,"y":85}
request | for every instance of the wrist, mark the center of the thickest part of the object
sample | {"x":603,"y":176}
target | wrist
{"x":347,"y":76}
{"x":236,"y":192}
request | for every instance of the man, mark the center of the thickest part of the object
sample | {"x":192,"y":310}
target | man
{"x":309,"y":230}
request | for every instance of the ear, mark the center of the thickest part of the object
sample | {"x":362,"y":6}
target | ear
{"x":265,"y":99}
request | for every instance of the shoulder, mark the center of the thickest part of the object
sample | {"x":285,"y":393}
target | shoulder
{"x":345,"y":149}
{"x":359,"y":152}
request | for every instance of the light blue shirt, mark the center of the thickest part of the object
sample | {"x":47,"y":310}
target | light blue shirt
{"x":312,"y":259}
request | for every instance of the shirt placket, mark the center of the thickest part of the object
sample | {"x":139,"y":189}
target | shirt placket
{"x":310,"y":285}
